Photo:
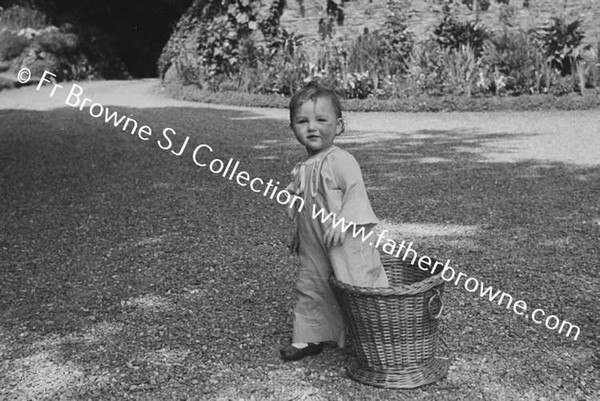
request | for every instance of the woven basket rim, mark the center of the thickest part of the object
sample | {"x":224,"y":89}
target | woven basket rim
{"x":395,"y":290}
{"x":431,"y":281}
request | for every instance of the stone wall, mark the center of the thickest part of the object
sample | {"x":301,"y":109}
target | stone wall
{"x":359,"y":14}
{"x":423,"y":15}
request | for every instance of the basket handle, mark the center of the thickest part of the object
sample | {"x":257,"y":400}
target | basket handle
{"x":439,"y":313}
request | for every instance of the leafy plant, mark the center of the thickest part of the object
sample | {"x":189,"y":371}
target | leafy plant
{"x":595,"y":65}
{"x":331,"y":65}
{"x":18,"y":17}
{"x":222,"y":36}
{"x":370,"y":53}
{"x":377,"y":54}
{"x":290,"y":78}
{"x":564,"y":85}
{"x":585,"y":67}
{"x":580,"y":71}
{"x":380,"y":55}
{"x":544,"y":74}
{"x":461,"y":69}
{"x":289,"y":63}
{"x":512,"y":54}
{"x":60,"y":52}
{"x":290,"y":44}
{"x":559,"y":39}
{"x":427,"y":70}
{"x":11,"y":45}
{"x":451,"y":33}
{"x":59,"y":43}
{"x":399,"y":40}
{"x":218,"y":47}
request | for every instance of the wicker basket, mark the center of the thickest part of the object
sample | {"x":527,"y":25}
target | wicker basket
{"x":394,"y":331}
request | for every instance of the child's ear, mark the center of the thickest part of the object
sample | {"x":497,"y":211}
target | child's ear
{"x":341,"y":126}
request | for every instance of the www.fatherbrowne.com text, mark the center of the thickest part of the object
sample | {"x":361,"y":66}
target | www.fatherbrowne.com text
{"x":448,"y":274}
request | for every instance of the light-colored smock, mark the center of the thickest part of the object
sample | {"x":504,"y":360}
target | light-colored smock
{"x":331,"y":180}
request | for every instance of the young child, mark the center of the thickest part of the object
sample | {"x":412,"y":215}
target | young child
{"x":330,"y":178}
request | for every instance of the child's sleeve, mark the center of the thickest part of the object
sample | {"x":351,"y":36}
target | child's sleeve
{"x":293,"y":189}
{"x":355,"y":205}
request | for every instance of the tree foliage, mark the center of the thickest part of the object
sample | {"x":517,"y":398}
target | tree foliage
{"x":218,"y":29}
{"x":134,"y":30}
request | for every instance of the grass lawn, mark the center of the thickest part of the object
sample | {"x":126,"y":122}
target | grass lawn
{"x":130,"y":273}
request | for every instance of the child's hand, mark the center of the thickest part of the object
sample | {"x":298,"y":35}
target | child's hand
{"x":333,"y":236}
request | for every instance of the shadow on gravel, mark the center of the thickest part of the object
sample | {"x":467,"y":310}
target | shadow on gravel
{"x":130,"y":272}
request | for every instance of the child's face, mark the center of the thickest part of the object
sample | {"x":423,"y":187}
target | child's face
{"x":315,"y":125}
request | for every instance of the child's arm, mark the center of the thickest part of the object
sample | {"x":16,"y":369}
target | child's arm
{"x":355,"y":206}
{"x":292,"y":214}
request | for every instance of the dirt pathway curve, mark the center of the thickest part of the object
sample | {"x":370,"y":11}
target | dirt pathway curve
{"x":571,"y":137}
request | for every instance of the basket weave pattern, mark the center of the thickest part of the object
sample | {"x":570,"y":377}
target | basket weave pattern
{"x":394,"y":330}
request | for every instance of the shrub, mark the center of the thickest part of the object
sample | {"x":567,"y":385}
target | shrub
{"x":27,"y":39}
{"x":11,"y":45}
{"x":595,"y":65}
{"x":451,"y":33}
{"x":563,"y":86}
{"x":222,"y":35}
{"x":398,"y":39}
{"x":102,"y":58}
{"x":56,"y":51}
{"x":364,"y":53}
{"x":358,"y":85}
{"x":279,"y":67}
{"x":585,"y":67}
{"x":6,"y":83}
{"x":427,"y":70}
{"x":513,"y":55}
{"x":544,"y":75}
{"x":437,"y":71}
{"x":17,"y":17}
{"x":286,"y":62}
{"x":377,"y":60}
{"x":218,"y":47}
{"x":289,"y":70}
{"x":461,"y":69}
{"x":380,"y":53}
{"x":559,"y":40}
{"x":50,"y":62}
{"x":218,"y":38}
{"x":56,"y":42}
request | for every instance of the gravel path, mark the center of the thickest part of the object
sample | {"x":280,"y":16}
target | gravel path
{"x":552,"y":231}
{"x":571,"y":137}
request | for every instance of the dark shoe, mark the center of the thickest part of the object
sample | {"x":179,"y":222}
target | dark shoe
{"x":291,"y":353}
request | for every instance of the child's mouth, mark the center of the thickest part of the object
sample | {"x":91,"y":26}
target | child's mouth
{"x":313,"y":137}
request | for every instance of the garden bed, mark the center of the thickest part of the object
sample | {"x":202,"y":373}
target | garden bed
{"x":420,"y":104}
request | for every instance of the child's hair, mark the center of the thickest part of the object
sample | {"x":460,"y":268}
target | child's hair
{"x":312,"y":91}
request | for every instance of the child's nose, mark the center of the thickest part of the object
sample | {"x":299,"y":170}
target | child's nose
{"x":312,"y":125}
